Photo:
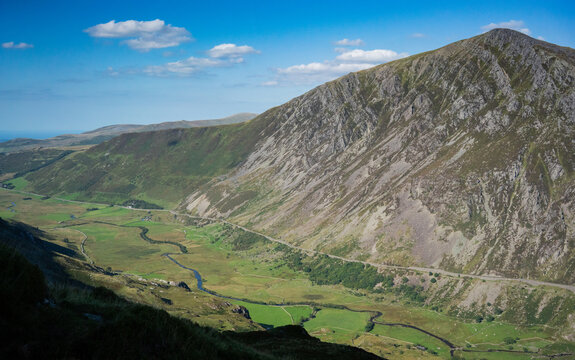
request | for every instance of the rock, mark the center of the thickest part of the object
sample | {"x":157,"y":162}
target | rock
{"x":183,"y":285}
{"x":166,"y":301}
{"x":242,"y":311}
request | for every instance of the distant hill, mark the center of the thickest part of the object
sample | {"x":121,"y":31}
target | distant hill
{"x":105,"y":133}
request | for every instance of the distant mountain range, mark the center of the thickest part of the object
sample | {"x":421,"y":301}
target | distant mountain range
{"x":108,"y":132}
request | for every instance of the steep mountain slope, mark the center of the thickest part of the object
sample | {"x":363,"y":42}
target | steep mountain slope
{"x":108,"y":132}
{"x":462,"y":158}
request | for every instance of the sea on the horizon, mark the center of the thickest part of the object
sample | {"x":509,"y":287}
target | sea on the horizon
{"x":38,"y":135}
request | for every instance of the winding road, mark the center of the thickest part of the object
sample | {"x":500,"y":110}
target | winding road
{"x":380,"y":265}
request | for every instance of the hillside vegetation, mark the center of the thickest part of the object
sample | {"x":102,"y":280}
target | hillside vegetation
{"x":159,"y":167}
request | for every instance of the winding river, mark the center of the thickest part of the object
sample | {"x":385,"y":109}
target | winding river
{"x":374,"y":314}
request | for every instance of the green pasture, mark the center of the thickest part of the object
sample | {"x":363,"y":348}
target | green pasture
{"x":337,"y":325}
{"x":460,"y":333}
{"x":276,"y":315}
{"x":19,"y":183}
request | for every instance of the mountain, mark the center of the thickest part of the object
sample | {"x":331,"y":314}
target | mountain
{"x":461,"y":158}
{"x":107,"y":132}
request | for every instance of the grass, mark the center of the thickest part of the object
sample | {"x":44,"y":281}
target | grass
{"x":19,"y":183}
{"x":267,"y":315}
{"x":492,"y":355}
{"x":136,"y":166}
{"x":299,"y":313}
{"x":276,"y":315}
{"x":335,"y":325}
{"x":412,"y":336}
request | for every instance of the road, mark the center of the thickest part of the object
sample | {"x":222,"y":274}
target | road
{"x":314,"y":252}
{"x":380,"y":265}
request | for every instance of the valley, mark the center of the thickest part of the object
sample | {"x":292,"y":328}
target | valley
{"x":247,"y":269}
{"x":423,"y":208}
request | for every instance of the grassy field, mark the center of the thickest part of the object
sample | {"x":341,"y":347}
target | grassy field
{"x":255,"y":273}
{"x":412,"y":337}
{"x":276,"y":315}
{"x":337,"y":325}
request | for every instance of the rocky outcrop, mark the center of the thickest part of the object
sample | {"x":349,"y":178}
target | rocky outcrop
{"x":242,"y":310}
{"x":461,"y":158}
{"x":184,"y":286}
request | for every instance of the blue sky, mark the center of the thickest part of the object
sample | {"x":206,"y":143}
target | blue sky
{"x":71,"y":66}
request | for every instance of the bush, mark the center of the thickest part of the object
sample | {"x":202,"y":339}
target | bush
{"x":509,"y":340}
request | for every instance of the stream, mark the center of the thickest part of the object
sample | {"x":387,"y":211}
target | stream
{"x":375,"y":314}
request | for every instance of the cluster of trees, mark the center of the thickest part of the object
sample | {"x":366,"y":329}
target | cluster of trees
{"x":324,"y":270}
{"x":8,"y":186}
{"x":410,"y":292}
{"x":140,"y":204}
{"x":243,"y":240}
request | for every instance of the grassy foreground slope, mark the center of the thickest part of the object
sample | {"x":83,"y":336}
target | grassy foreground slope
{"x":67,"y":320}
{"x":159,"y":167}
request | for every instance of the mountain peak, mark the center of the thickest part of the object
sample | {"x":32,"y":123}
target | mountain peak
{"x":503,"y":38}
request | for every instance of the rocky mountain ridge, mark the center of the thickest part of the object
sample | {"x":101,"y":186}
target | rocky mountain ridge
{"x":460,"y":158}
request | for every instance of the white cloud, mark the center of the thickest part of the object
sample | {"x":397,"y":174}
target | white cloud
{"x":540,"y":38}
{"x":270,"y":83}
{"x":220,"y":56}
{"x":348,"y":61}
{"x":418,"y":35}
{"x":517,"y":25}
{"x":184,"y":67}
{"x":315,"y":72}
{"x":372,"y":56}
{"x":13,"y":45}
{"x":142,"y":35}
{"x":348,"y":42}
{"x":231,"y":51}
{"x":327,"y":68}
